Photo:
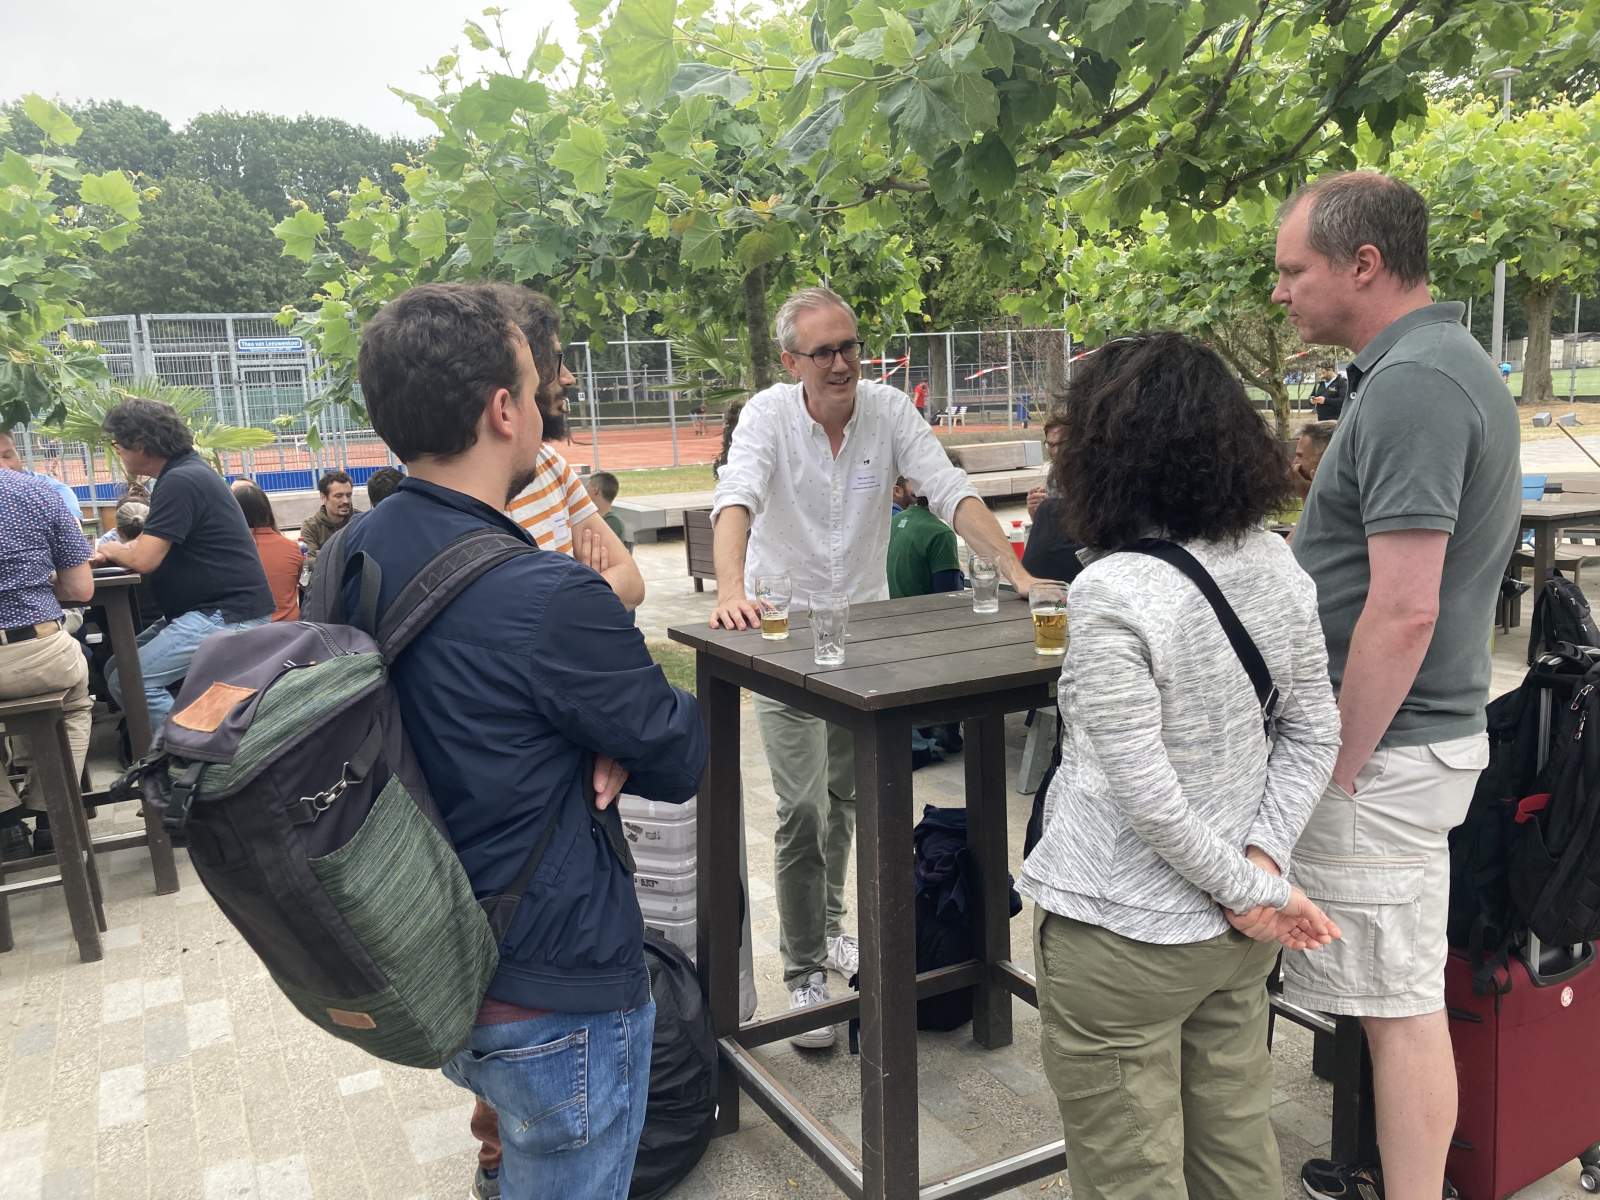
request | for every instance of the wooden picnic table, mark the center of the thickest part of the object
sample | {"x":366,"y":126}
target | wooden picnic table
{"x":1547,"y":518}
{"x":921,"y":660}
{"x":113,"y":592}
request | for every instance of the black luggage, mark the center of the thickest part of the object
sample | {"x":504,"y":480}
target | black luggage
{"x":682,"y":1109}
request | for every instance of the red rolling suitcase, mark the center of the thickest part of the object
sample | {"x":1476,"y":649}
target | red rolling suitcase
{"x":1528,"y":1069}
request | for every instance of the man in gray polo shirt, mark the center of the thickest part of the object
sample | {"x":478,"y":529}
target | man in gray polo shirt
{"x":1406,"y":532}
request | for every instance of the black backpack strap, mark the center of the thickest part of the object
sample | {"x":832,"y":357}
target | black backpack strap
{"x":323,"y":603}
{"x":1249,"y":657}
{"x":442,"y":578}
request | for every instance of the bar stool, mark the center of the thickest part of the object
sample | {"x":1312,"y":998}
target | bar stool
{"x":42,"y":720}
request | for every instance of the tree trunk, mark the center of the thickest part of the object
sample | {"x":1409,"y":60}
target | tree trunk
{"x":756,"y":325}
{"x":1055,"y":363}
{"x":1538,"y":301}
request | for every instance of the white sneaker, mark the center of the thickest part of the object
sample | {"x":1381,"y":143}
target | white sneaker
{"x":844,"y":955}
{"x":811,"y":989}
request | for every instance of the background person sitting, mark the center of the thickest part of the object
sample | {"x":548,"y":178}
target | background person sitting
{"x":280,"y":557}
{"x":331,"y":516}
{"x":381,"y":484}
{"x":196,"y":551}
{"x":1308,"y":449}
{"x":1051,"y":553}
{"x":131,"y":515}
{"x":603,"y":487}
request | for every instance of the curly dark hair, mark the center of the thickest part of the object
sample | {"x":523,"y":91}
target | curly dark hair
{"x":429,"y":361}
{"x":381,"y":485}
{"x":1161,"y":439}
{"x":329,"y":478}
{"x":148,"y":426}
{"x":730,"y":422}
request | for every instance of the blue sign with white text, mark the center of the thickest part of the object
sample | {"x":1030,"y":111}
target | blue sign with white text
{"x":271,"y":345}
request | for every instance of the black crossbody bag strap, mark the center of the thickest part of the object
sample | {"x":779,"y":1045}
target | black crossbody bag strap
{"x":1249,"y":657}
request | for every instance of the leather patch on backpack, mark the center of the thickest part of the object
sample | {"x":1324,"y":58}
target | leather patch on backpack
{"x":351,"y":1020}
{"x":212,"y":707}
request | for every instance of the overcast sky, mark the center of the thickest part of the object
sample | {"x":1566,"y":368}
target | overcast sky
{"x":334,"y":58}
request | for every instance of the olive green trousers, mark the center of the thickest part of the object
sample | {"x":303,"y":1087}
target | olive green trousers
{"x":1158,"y":1057}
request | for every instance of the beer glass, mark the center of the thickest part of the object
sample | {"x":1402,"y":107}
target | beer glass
{"x":1047,"y":601}
{"x":830,"y":618}
{"x":985,"y":578}
{"x":772,"y":598}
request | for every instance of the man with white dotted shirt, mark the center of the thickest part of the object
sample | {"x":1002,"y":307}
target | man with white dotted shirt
{"x":806,"y":492}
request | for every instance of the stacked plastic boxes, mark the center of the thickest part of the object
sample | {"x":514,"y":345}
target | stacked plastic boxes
{"x":662,"y":837}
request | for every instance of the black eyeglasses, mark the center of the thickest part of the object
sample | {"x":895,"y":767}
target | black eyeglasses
{"x":571,"y":358}
{"x":849,"y":351}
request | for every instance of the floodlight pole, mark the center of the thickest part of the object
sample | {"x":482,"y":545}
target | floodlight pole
{"x":1497,"y":336}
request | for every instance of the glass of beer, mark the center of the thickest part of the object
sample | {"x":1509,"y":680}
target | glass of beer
{"x":830,"y":618}
{"x":1047,"y":601}
{"x":985,"y":584}
{"x":772,"y":598}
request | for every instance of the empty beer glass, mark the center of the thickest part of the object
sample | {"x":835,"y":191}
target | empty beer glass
{"x":772,"y":598}
{"x":1047,"y":600}
{"x":985,"y":578}
{"x":830,"y":619}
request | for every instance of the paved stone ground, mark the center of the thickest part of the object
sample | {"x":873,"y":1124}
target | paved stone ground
{"x":173,"y":1069}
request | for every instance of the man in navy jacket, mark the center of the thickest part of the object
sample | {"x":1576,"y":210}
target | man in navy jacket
{"x":529,"y":701}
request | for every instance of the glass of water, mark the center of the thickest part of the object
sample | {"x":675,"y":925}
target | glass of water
{"x":985,"y":578}
{"x":772,"y":598}
{"x":830,"y":619}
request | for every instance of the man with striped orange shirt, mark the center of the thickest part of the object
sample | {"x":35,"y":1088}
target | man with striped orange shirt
{"x":555,"y":508}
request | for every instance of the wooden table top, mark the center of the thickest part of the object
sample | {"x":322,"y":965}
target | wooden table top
{"x":897,"y":652}
{"x":1548,"y":512}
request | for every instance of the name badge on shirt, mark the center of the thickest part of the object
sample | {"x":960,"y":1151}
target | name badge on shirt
{"x":865,"y":481}
{"x":560,"y":528}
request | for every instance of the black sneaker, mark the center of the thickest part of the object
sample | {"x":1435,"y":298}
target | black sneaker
{"x":1324,"y":1179}
{"x":44,"y":842}
{"x":485,"y":1186}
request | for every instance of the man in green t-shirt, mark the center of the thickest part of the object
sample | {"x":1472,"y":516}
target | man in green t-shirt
{"x":603,"y":488}
{"x":922,"y":548}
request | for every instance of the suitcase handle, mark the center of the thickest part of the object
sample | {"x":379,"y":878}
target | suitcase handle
{"x":1534,"y":953}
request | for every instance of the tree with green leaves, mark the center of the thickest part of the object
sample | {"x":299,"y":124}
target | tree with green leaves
{"x":1220,"y":293}
{"x":52,"y":215}
{"x":556,"y":185}
{"x":1525,"y":190}
{"x":115,"y":137}
{"x":198,"y":249}
{"x":274,"y":161}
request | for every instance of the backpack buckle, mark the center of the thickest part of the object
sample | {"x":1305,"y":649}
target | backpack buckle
{"x":1269,"y":710}
{"x":176,"y":814}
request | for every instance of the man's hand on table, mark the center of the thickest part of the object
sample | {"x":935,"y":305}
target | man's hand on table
{"x":735,"y":611}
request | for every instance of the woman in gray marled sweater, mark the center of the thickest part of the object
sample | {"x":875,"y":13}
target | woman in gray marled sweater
{"x":1158,"y":889}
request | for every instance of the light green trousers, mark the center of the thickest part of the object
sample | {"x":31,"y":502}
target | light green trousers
{"x":813,"y":768}
{"x":1158,"y":1057}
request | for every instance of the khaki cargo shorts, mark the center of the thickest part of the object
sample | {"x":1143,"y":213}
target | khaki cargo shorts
{"x":1378,"y":863}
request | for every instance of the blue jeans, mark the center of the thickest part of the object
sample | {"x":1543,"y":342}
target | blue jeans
{"x":165,"y":651}
{"x":570,"y":1089}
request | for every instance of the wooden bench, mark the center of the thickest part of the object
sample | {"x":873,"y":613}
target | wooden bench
{"x":42,"y":720}
{"x":697,"y":546}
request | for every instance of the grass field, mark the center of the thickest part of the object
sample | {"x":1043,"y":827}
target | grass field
{"x":676,"y":662}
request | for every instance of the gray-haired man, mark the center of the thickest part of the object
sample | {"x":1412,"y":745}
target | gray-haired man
{"x":809,"y":481}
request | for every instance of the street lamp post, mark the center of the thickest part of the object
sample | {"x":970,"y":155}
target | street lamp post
{"x":1497,"y":336}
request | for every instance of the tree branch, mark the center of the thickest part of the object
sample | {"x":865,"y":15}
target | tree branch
{"x":1114,"y":116}
{"x":870,"y":191}
{"x":1352,"y":74}
{"x":1220,"y":92}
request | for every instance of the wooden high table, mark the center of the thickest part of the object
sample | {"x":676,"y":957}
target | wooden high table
{"x":921,"y":660}
{"x":113,"y":592}
{"x":1547,"y":518}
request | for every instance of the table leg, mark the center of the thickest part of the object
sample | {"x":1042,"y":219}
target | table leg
{"x":125,"y":645}
{"x":54,"y":767}
{"x":720,"y":816}
{"x":1355,"y":1138}
{"x":1544,"y":555}
{"x":985,"y":740}
{"x":886,"y":889}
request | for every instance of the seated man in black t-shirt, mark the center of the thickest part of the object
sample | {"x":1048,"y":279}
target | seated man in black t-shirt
{"x":196,"y":551}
